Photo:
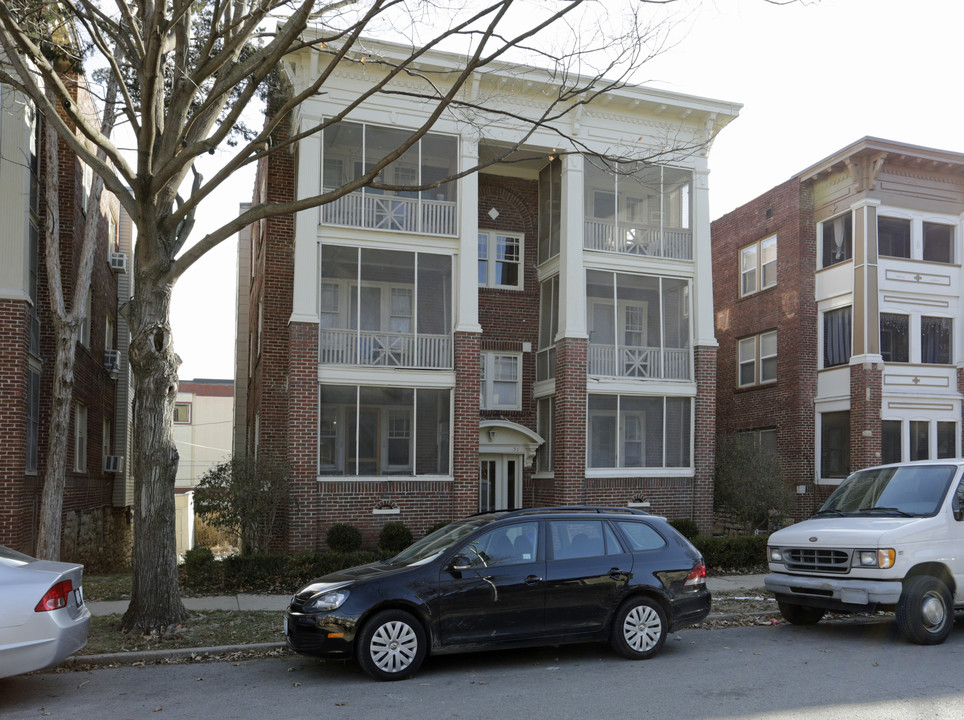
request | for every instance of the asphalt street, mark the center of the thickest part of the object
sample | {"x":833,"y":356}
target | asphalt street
{"x":848,"y":669}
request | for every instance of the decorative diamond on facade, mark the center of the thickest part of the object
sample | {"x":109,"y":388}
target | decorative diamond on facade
{"x":493,"y":213}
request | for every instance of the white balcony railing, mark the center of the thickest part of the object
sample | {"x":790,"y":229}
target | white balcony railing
{"x":392,"y":212}
{"x":637,"y":239}
{"x":350,"y":347}
{"x":639,"y":362}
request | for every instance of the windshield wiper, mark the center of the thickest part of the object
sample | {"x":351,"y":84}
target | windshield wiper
{"x":885,"y":511}
{"x":833,"y":511}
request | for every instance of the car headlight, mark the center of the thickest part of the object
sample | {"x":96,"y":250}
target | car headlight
{"x":324,"y":597}
{"x":882,"y":558}
{"x":775,"y":554}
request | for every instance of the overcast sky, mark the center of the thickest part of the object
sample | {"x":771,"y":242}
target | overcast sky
{"x":812,"y":78}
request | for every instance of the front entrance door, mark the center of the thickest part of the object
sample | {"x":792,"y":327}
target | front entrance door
{"x":500,"y":482}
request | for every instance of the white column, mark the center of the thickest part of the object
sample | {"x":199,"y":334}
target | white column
{"x":704,"y":333}
{"x":306,"y":268}
{"x":572,"y":274}
{"x":467,"y":261}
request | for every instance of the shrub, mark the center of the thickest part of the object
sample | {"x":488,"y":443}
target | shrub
{"x":344,"y":538}
{"x":246,"y":496}
{"x":745,"y":552}
{"x":200,"y":569}
{"x":749,"y":484}
{"x":394,"y":537}
{"x":686,"y":527}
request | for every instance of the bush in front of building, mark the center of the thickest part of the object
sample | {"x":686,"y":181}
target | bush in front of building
{"x":200,"y":568}
{"x":394,"y":537}
{"x":686,"y":527}
{"x":733,"y":554}
{"x":749,"y":485}
{"x":342,"y":537}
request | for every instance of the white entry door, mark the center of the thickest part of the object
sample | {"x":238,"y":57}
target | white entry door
{"x":500,"y":482}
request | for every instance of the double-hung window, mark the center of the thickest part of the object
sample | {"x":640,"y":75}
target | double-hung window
{"x":501,"y":386}
{"x":758,"y":359}
{"x":837,"y":236}
{"x":500,"y":260}
{"x":758,"y":266}
{"x":836,"y":337}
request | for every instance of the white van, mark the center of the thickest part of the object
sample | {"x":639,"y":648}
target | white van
{"x":889,"y":538}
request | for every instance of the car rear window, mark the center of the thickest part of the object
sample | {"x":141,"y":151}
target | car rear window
{"x":641,"y":536}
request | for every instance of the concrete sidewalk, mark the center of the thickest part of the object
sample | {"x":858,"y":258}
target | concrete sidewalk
{"x":718,"y":584}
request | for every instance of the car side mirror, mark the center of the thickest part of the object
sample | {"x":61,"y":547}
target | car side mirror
{"x":956,"y":507}
{"x":460,"y":563}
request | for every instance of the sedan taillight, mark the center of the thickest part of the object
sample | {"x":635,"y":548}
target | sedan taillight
{"x":697,"y":575}
{"x":56,"y":597}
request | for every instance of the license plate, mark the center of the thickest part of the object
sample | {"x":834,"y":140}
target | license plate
{"x":79,"y":596}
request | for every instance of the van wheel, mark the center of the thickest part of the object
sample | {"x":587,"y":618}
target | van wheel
{"x":925,"y":613}
{"x":800,"y":614}
{"x":392,"y":645}
{"x":640,"y":629}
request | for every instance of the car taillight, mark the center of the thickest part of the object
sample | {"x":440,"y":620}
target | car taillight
{"x":697,"y":575}
{"x":56,"y":597}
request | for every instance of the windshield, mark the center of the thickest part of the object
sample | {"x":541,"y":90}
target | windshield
{"x":906,"y":490}
{"x":440,"y":540}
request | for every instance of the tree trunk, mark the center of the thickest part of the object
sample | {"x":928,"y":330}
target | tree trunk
{"x":155,"y":595}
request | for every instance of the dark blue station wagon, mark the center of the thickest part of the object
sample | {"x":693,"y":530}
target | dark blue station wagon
{"x":546,"y":576}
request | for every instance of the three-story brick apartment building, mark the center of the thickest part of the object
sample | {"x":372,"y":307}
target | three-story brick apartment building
{"x":97,"y":494}
{"x":537,"y":333}
{"x":838,"y":306}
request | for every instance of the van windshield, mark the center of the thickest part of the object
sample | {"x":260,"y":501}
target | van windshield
{"x":904,"y":490}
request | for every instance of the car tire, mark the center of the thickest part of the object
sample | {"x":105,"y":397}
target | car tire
{"x":801,"y":614}
{"x":640,"y":629}
{"x":925,"y":612}
{"x":391,"y":645}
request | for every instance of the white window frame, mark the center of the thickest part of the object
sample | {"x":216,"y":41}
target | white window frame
{"x":755,"y":345}
{"x":190,"y":412}
{"x":387,"y":418}
{"x":80,"y":438}
{"x":753,"y":265}
{"x":489,"y":364}
{"x":489,"y":239}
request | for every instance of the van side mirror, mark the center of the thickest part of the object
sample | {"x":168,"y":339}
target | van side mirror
{"x":956,"y":504}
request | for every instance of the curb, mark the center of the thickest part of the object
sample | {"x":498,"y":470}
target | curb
{"x":153,"y":656}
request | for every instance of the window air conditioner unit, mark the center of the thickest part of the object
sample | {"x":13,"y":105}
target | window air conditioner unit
{"x":113,"y":463}
{"x":118,"y":262}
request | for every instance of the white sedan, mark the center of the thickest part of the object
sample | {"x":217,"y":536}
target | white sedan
{"x":43,"y":618}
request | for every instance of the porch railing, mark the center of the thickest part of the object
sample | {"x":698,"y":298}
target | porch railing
{"x":369,"y":209}
{"x":637,"y":239}
{"x":639,"y":362}
{"x":350,"y":347}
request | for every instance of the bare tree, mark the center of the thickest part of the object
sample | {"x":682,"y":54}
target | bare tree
{"x":186,"y":72}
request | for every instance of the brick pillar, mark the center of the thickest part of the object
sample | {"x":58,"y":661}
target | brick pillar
{"x":569,"y":424}
{"x":704,"y":442}
{"x":866,"y":384}
{"x":465,"y":433}
{"x":16,"y":518}
{"x":302,"y":431}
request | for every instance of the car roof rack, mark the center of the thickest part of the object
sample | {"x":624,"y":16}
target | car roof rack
{"x":575,"y":509}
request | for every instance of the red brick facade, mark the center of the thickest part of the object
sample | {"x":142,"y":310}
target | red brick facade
{"x":283,"y":392}
{"x":94,"y":530}
{"x":789,"y":308}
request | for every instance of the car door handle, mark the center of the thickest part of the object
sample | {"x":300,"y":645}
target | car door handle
{"x":532,"y":580}
{"x":617,"y":574}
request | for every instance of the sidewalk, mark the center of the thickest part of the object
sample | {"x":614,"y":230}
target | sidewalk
{"x":724,"y":583}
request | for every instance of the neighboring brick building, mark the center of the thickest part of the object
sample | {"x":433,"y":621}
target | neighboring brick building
{"x":97,"y":496}
{"x":538,"y":333}
{"x":838,"y":311}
